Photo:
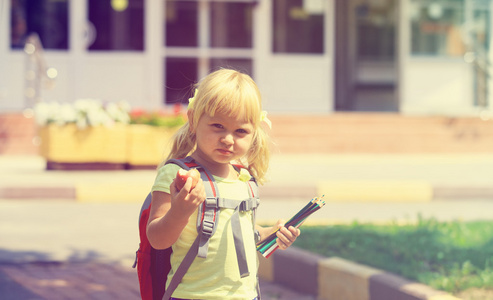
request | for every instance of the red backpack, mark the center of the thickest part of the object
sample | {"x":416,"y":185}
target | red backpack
{"x":154,"y":265}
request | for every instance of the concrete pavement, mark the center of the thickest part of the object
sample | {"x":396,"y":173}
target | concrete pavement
{"x":80,"y":207}
{"x":342,"y":178}
{"x":373,"y":178}
{"x":53,"y":223}
{"x":374,"y":188}
{"x":93,"y":280}
{"x":57,"y":249}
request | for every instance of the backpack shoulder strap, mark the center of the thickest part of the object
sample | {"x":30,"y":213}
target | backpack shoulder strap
{"x":207,"y":219}
{"x":186,"y":163}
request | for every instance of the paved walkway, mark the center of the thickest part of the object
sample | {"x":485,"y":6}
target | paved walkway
{"x":343,"y":178}
{"x":73,"y":235}
{"x":75,"y":281}
{"x":374,"y":188}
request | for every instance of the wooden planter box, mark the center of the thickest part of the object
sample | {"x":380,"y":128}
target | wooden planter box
{"x":94,"y":148}
{"x":147,"y":146}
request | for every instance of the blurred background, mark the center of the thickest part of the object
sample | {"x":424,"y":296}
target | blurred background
{"x":384,"y":106}
{"x":364,"y":71}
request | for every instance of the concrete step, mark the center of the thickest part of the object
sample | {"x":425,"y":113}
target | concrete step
{"x":17,"y":134}
{"x":380,"y":133}
{"x":334,"y":133}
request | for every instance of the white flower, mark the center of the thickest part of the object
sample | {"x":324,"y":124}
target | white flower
{"x":83,"y":112}
{"x":67,"y":113}
{"x":86,"y":105}
{"x":99,"y":117}
{"x":125,"y":106}
{"x":41,"y":113}
{"x":81,"y":123}
{"x":46,"y":112}
{"x":118,"y":112}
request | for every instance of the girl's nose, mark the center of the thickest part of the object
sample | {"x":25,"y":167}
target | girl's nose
{"x":227,"y":139}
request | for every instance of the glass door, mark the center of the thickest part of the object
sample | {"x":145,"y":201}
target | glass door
{"x":111,"y":58}
{"x":366,"y":64}
{"x":478,"y":20}
{"x":85,"y":42}
{"x":202,"y":36}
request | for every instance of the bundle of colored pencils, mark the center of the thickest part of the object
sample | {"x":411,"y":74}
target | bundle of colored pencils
{"x":269,"y":245}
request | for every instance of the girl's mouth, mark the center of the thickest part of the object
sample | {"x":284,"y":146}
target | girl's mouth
{"x":224,"y":152}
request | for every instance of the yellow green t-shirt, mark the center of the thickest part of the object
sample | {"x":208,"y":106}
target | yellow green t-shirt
{"x":218,"y":275}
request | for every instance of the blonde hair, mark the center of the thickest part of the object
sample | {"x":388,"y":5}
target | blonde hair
{"x":235,"y":94}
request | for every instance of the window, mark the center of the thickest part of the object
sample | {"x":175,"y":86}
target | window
{"x":221,"y":35}
{"x":118,"y":25}
{"x":242,"y":65}
{"x":181,"y":74}
{"x":298,"y":26}
{"x":231,"y":25}
{"x":481,"y":26}
{"x":182,"y":23}
{"x":436,"y":27}
{"x":376,"y":30}
{"x":49,"y":19}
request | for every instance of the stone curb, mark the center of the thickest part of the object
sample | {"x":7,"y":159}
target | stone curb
{"x":336,"y":278}
{"x":359,"y":191}
{"x":37,"y":192}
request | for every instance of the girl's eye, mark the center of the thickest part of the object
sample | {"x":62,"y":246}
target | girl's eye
{"x":242,"y":131}
{"x":218,"y":126}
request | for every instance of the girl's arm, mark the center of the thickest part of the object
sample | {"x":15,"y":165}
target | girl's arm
{"x":285,"y":236}
{"x":169,"y":213}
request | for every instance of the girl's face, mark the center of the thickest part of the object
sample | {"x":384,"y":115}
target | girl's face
{"x":222,"y":139}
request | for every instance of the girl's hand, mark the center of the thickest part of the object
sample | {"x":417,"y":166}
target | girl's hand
{"x":286,"y":236}
{"x":186,"y":200}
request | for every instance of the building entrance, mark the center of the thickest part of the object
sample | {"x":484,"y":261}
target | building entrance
{"x":366,"y":55}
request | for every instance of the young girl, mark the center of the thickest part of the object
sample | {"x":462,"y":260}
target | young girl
{"x":224,"y":127}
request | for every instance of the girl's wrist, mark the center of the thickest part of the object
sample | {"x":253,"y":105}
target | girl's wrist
{"x":177,"y":217}
{"x":264,"y":232}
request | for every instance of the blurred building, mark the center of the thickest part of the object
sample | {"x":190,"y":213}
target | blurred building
{"x":424,"y":57}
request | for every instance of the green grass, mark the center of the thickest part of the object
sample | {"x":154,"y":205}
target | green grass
{"x":449,"y":256}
